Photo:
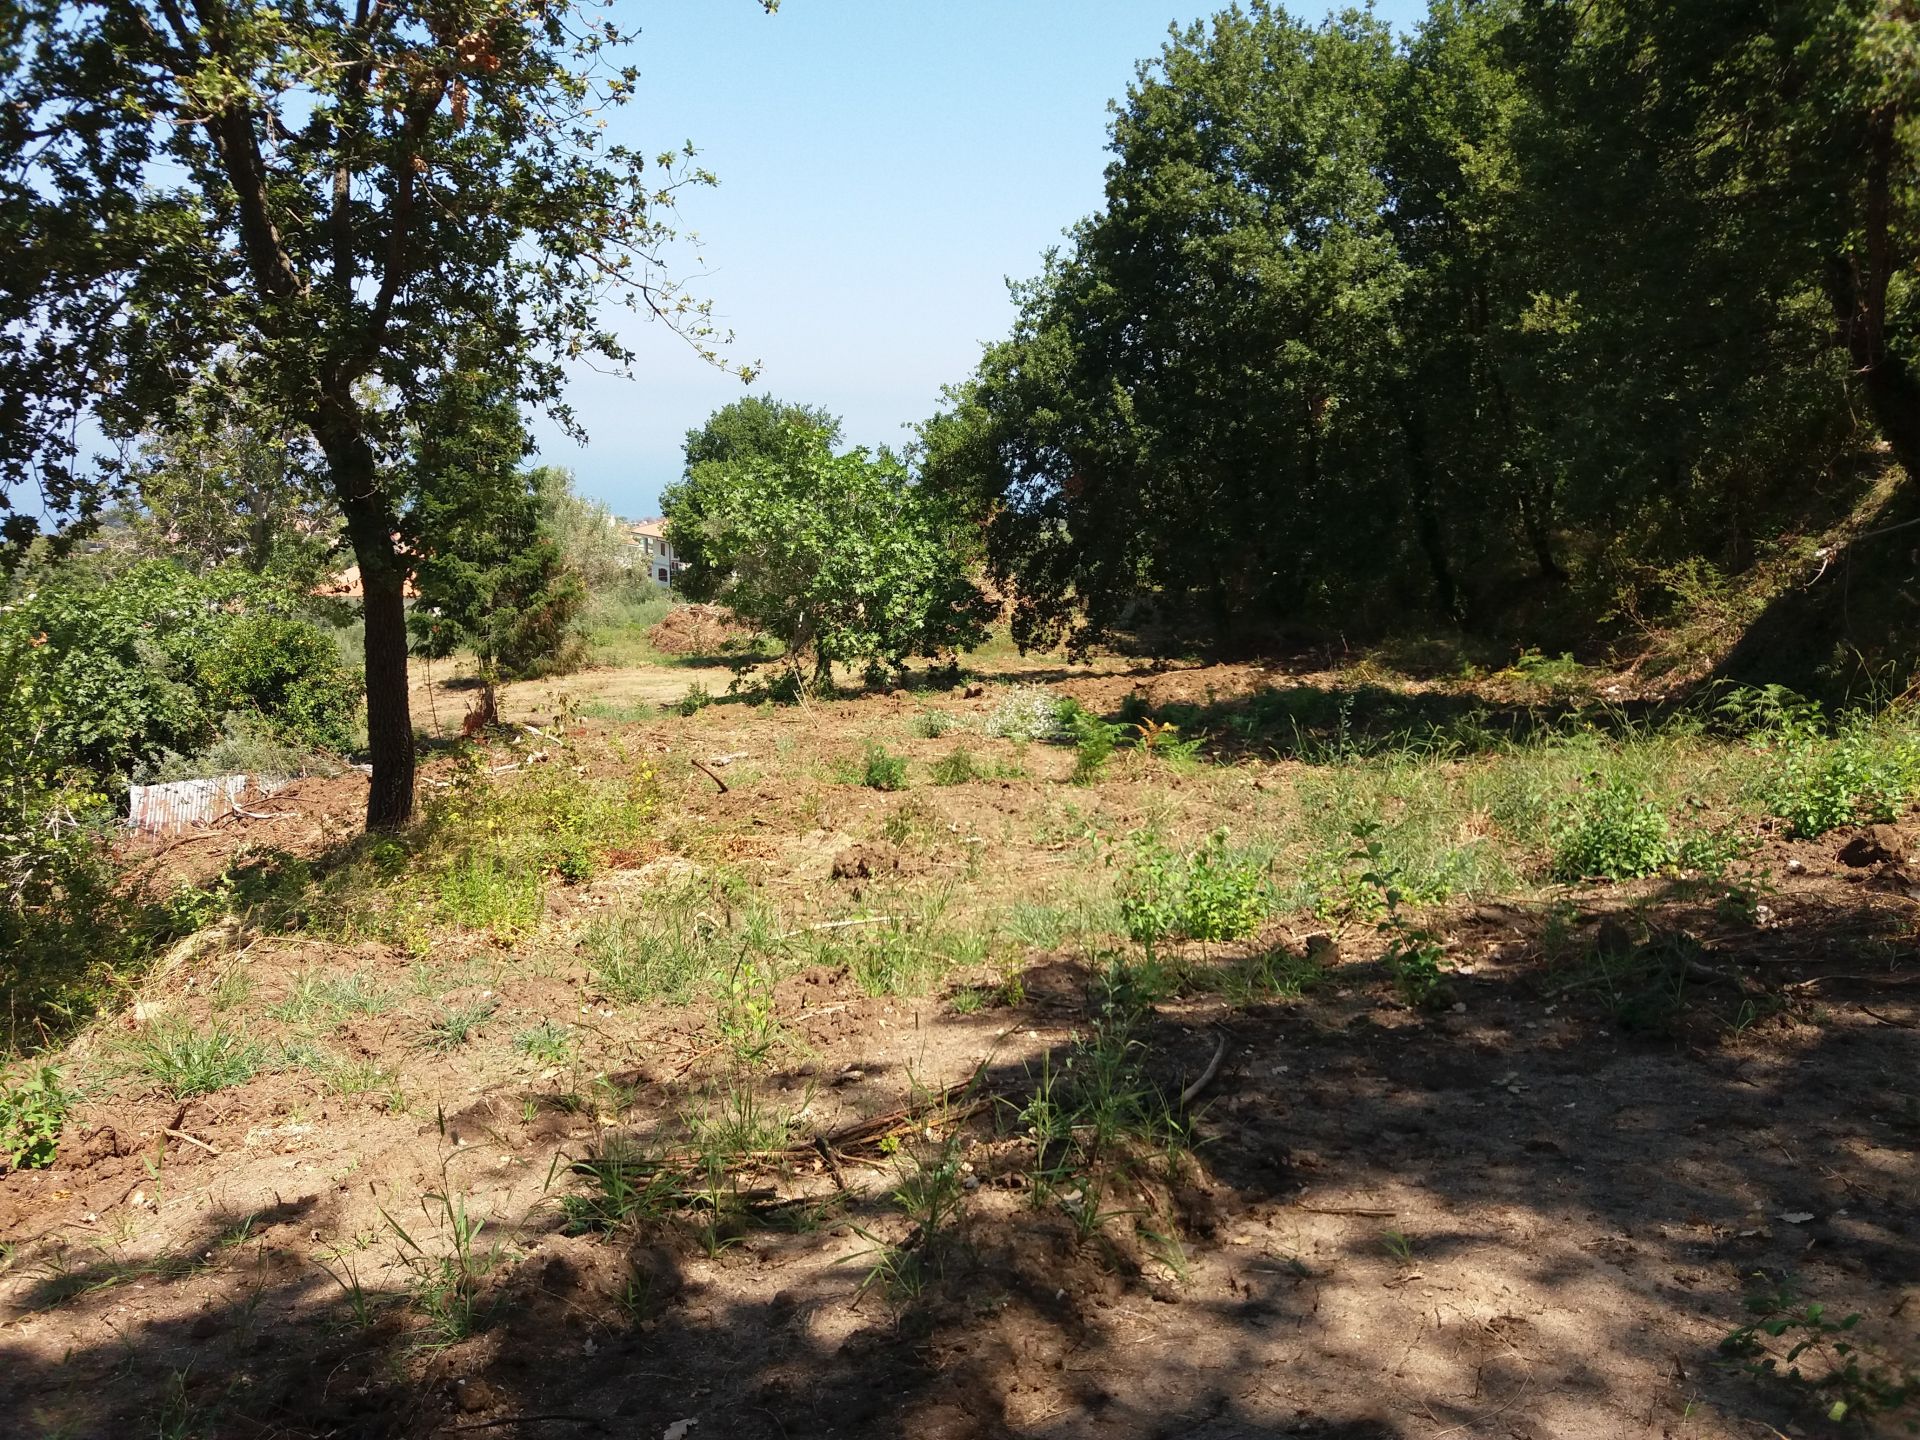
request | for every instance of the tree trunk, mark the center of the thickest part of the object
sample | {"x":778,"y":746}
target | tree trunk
{"x":1426,"y":515}
{"x":383,"y":578}
{"x":1540,"y":538}
{"x":1859,"y":287}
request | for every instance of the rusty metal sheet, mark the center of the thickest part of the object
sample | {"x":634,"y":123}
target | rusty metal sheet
{"x":173,"y":806}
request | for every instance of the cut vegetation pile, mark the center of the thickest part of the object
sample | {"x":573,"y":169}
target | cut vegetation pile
{"x":698,"y":630}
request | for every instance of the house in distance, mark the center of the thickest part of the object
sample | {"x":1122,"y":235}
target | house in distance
{"x":651,"y":550}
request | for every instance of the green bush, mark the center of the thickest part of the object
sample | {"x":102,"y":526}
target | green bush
{"x":882,"y":770}
{"x":112,"y":670}
{"x":1094,"y":740}
{"x":1615,"y":833}
{"x":932,"y":724}
{"x":285,"y":670}
{"x":1207,"y":894}
{"x":956,"y":768}
{"x":33,"y":1111}
{"x":1866,"y":772}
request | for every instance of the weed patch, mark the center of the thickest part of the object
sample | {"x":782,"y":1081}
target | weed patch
{"x":1615,"y":833}
{"x":33,"y":1112}
{"x":1207,"y":894}
{"x":187,"y":1060}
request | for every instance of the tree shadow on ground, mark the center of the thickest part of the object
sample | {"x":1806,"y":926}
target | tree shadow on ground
{"x":1533,"y":1212}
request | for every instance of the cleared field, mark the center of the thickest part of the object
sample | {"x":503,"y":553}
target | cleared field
{"x":865,"y":1067}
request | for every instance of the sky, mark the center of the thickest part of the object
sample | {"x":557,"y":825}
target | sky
{"x":885,"y":166}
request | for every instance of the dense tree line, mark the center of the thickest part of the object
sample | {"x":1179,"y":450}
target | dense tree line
{"x":1514,"y":309}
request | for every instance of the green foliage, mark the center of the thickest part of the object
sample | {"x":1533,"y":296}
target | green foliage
{"x":1542,"y":677}
{"x":185,"y":1060}
{"x":1094,"y":740}
{"x":109,"y":674}
{"x":287,"y":671}
{"x":232,"y":482}
{"x":1614,"y":833}
{"x":1414,"y":955}
{"x":477,"y":860}
{"x":33,"y":1111}
{"x":957,"y":767}
{"x":447,"y":1284}
{"x":1867,"y":771}
{"x":111,"y":669}
{"x":621,"y":1187}
{"x":1477,"y":268}
{"x":445,"y":226}
{"x":1796,"y":1340}
{"x":932,"y":724}
{"x":1208,"y":894}
{"x":883,"y":770}
{"x":548,"y":1043}
{"x":842,"y":558}
{"x":492,"y":576}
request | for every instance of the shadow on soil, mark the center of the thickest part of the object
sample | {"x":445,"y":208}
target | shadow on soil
{"x":1533,"y":1115}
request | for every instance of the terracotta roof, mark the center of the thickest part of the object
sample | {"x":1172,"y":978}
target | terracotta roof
{"x":656,"y":528}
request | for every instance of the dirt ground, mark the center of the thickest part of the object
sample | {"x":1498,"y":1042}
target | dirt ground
{"x":1510,"y":1216}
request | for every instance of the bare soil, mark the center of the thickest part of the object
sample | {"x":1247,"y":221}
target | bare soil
{"x":1512,"y":1217}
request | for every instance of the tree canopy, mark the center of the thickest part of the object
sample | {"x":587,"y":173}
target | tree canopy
{"x":338,"y":208}
{"x":1530,"y":302}
{"x":841,"y":557}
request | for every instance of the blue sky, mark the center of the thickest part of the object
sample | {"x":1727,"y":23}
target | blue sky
{"x":884,"y":165}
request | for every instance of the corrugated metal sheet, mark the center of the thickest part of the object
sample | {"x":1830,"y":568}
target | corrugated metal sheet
{"x":164,"y":809}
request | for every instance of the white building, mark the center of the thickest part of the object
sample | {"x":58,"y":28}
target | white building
{"x":649,"y":539}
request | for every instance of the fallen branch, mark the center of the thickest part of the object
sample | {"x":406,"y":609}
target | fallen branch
{"x":1888,"y":1019}
{"x":708,"y":773}
{"x":1347,"y":1210}
{"x":191,"y":1140}
{"x":833,"y":1162}
{"x":842,"y":924}
{"x":1206,"y":1076}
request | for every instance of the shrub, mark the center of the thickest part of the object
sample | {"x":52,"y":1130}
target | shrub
{"x":695,"y":700}
{"x":286,"y":671}
{"x":1615,"y":833}
{"x":1027,"y":712}
{"x":1867,"y":772}
{"x":932,"y":724}
{"x":882,"y":770}
{"x":1207,"y":894}
{"x":1094,"y":740}
{"x":33,"y":1111}
{"x":956,"y":768}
